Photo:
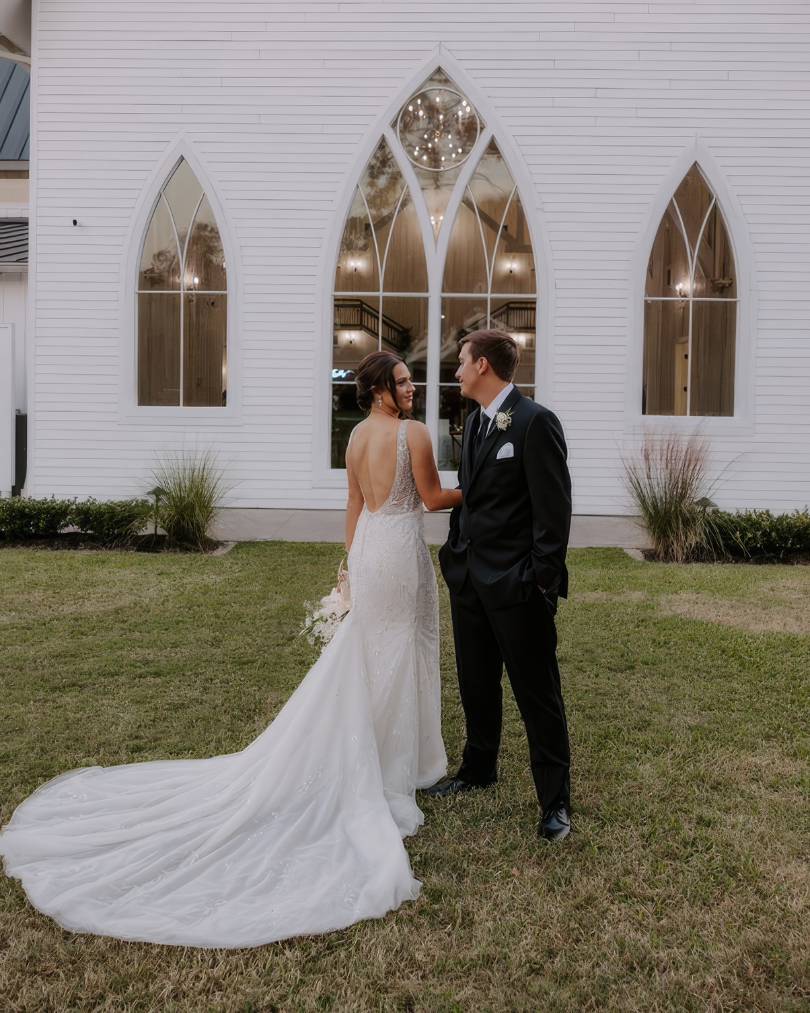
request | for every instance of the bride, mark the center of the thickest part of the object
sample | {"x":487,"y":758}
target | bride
{"x":301,"y":832}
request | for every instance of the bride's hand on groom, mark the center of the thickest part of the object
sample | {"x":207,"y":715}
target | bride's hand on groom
{"x":425,"y":472}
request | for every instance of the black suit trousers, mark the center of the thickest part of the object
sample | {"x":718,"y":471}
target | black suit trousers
{"x":523,"y":638}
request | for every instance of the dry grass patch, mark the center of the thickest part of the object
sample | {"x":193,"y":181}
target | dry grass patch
{"x":755,"y":616}
{"x":619,"y":597}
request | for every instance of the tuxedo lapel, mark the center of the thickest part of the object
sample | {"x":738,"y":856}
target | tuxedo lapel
{"x":493,"y":437}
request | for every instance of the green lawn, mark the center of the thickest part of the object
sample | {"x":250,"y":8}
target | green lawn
{"x":684,"y":887}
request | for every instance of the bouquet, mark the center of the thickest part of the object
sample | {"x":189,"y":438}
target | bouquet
{"x":323,"y":618}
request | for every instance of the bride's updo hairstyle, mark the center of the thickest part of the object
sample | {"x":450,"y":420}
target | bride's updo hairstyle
{"x":376,"y":372}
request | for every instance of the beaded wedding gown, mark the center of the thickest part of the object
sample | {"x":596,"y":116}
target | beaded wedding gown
{"x":299,"y":833}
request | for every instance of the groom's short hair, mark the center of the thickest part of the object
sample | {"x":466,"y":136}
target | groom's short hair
{"x":499,"y":349}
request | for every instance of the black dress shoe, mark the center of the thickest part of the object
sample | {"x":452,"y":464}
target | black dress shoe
{"x":454,"y":786}
{"x":555,"y":824}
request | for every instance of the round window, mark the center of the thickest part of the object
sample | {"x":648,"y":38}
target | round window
{"x":438,"y":128}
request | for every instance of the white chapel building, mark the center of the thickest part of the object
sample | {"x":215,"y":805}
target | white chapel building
{"x":231,"y":203}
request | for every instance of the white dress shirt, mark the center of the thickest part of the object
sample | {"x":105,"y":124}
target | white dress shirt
{"x":494,"y":407}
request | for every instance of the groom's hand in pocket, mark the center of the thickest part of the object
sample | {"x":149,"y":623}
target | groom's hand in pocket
{"x":550,"y":599}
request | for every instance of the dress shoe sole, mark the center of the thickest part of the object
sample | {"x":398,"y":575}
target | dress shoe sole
{"x":559,"y":835}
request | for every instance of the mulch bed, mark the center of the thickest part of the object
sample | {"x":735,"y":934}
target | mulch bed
{"x":797,"y":559}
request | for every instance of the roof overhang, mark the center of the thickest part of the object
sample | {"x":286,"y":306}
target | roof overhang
{"x":15,"y":30}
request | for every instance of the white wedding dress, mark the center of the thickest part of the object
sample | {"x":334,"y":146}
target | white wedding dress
{"x":299,"y":833}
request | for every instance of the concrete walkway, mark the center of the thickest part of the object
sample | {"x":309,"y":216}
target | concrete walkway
{"x":257,"y":525}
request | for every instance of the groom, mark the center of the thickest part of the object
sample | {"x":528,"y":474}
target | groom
{"x":504,"y":563}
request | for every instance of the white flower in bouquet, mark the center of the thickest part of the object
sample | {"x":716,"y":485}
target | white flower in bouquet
{"x":322,"y":619}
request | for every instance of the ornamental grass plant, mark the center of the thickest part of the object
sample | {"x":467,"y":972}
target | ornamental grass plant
{"x":667,"y":480}
{"x":188,"y":492}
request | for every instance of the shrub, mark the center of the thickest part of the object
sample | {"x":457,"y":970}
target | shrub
{"x":22,"y":518}
{"x":113,"y":523}
{"x":761,"y":535}
{"x":668,"y":483}
{"x":189,"y":491}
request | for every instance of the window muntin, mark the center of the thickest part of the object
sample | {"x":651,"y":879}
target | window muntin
{"x":690,"y":308}
{"x":182,"y":300}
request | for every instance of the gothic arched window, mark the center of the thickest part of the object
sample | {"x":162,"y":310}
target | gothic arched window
{"x":394,"y":288}
{"x":690,"y":308}
{"x":182,"y":300}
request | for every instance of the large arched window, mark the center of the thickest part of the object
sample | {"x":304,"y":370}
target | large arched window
{"x":690,"y":308}
{"x":381,"y":289}
{"x":182,"y":300}
{"x":394,"y":286}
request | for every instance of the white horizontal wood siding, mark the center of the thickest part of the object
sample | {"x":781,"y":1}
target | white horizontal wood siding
{"x":599,"y":99}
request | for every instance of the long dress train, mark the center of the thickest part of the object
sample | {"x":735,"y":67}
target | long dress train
{"x":299,"y":833}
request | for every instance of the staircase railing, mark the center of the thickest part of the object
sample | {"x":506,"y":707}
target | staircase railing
{"x":511,"y":316}
{"x":355,"y":314}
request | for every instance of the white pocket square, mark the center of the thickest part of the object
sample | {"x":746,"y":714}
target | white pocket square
{"x":507,"y":450}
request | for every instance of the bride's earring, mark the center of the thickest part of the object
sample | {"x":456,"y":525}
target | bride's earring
{"x":379,"y":402}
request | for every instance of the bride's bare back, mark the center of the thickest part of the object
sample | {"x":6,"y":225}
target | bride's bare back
{"x":371,"y":466}
{"x":372,"y":458}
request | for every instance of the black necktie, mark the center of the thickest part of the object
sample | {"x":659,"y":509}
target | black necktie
{"x":480,"y":435}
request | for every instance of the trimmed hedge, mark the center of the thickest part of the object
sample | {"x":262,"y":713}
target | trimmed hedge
{"x":115,"y":522}
{"x":760,"y":535}
{"x":22,"y":518}
{"x":112,"y":523}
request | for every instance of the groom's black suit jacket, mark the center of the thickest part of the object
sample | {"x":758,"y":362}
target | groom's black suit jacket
{"x":511,"y":532}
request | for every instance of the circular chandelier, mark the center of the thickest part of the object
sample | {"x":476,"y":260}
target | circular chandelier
{"x":438,"y":128}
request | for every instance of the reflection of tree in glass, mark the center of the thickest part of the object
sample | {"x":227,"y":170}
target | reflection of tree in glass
{"x":206,"y":251}
{"x":163,"y":271}
{"x":382,"y":186}
{"x":356,"y":236}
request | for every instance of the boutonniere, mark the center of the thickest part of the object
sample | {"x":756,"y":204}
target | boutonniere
{"x":503,"y":420}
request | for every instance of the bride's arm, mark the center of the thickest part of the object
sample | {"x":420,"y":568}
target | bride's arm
{"x":354,"y":503}
{"x":425,"y":472}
